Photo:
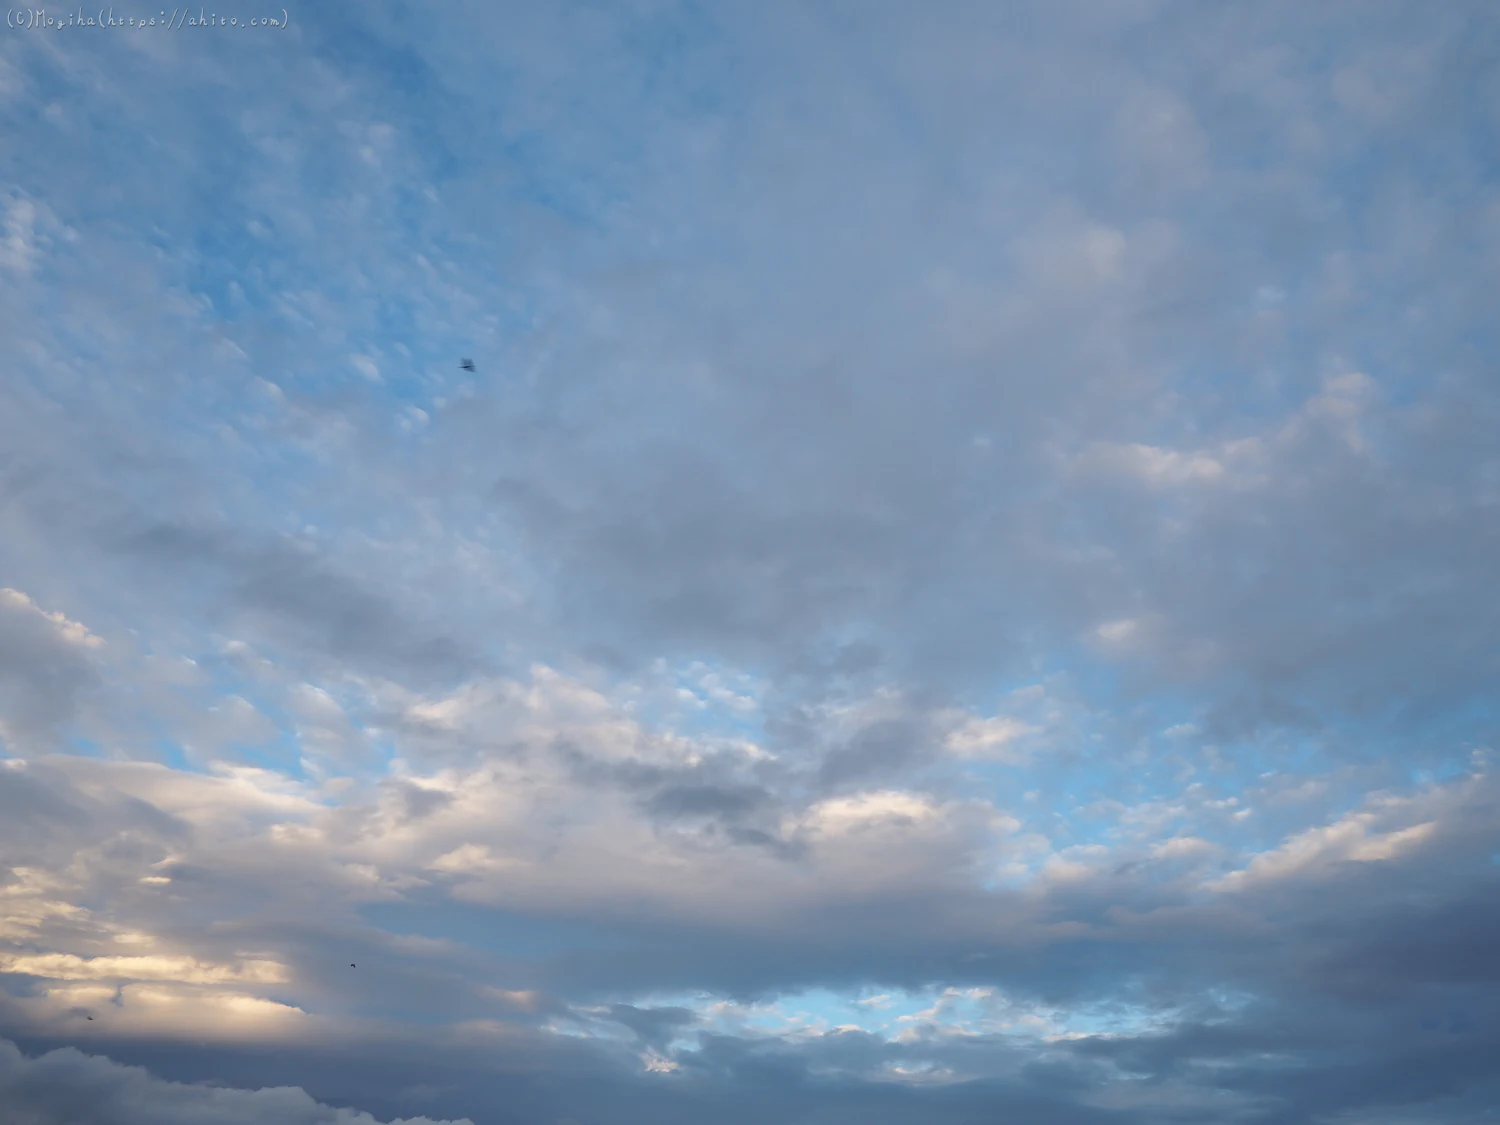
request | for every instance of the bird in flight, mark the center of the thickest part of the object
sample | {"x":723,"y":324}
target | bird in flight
{"x":467,"y":365}
{"x":351,"y":964}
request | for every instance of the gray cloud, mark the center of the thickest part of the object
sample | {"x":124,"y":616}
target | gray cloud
{"x":990,"y":504}
{"x":67,"y":1085}
{"x":1325,"y":945}
{"x":45,"y":665}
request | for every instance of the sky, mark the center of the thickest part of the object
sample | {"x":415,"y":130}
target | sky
{"x":960,"y":587}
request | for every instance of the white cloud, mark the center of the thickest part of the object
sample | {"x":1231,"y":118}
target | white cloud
{"x":987,"y":738}
{"x":1117,"y":632}
{"x":1354,"y":838}
{"x":1155,"y":466}
{"x":841,"y":815}
{"x":187,"y":970}
{"x":18,"y":244}
{"x":69,"y":632}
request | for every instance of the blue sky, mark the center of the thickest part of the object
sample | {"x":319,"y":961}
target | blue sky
{"x":958,"y":589}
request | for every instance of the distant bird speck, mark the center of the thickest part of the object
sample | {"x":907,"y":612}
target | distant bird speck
{"x":351,"y":964}
{"x":90,"y":1017}
{"x":467,"y":365}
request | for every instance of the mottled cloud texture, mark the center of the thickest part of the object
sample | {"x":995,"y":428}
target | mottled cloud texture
{"x":959,"y":590}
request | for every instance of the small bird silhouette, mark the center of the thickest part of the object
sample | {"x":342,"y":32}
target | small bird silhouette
{"x":91,"y":1017}
{"x":351,"y":964}
{"x":467,"y":365}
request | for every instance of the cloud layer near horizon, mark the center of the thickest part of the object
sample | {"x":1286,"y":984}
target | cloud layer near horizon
{"x":960,"y":586}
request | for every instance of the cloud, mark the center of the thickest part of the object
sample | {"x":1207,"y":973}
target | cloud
{"x":45,"y":665}
{"x":992,"y":509}
{"x":892,"y":897}
{"x":68,"y":1084}
{"x":61,"y":966}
